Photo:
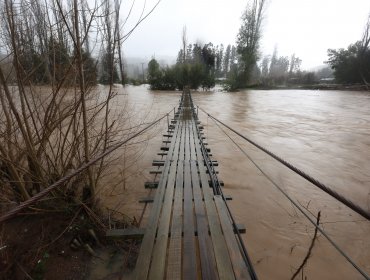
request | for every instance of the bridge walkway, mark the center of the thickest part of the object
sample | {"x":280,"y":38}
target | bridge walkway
{"x":189,"y":234}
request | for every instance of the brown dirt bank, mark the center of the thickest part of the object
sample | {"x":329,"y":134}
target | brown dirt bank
{"x":60,"y":246}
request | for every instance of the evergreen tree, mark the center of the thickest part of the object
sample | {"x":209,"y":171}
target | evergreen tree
{"x":351,"y":65}
{"x":59,"y":59}
{"x":109,"y":72}
{"x":90,"y":68}
{"x":154,"y":74}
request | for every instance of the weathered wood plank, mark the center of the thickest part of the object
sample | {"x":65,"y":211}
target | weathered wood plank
{"x":182,"y":145}
{"x":240,"y":269}
{"x":146,"y":200}
{"x":158,"y":163}
{"x":146,"y":249}
{"x":223,"y":261}
{"x":177,"y":148}
{"x":151,"y":185}
{"x":200,"y":244}
{"x":190,"y":266}
{"x":187,"y":142}
{"x":191,"y":141}
{"x":175,"y":247}
{"x":207,"y":258}
{"x":126,"y":233}
{"x":157,"y":268}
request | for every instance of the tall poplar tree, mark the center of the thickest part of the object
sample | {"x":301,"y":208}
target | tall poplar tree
{"x":248,"y":39}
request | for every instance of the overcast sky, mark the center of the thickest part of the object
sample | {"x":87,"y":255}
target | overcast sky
{"x":304,"y":27}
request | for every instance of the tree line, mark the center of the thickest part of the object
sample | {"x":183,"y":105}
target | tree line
{"x":196,"y":66}
{"x":352,"y":65}
{"x":45,"y":52}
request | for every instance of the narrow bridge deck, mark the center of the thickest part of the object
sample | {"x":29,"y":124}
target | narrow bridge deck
{"x":189,"y":233}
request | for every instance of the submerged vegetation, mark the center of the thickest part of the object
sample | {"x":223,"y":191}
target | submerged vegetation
{"x":48,"y":130}
{"x":55,"y":119}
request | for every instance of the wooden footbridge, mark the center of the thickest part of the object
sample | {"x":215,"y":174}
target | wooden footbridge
{"x":190,"y":232}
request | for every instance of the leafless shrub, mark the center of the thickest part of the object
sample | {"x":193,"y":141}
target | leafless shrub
{"x":53,"y":116}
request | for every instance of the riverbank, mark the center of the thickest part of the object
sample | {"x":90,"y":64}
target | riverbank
{"x":340,"y":87}
{"x":64,"y":244}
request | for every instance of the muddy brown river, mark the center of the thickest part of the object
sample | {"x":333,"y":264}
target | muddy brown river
{"x":324,"y":133}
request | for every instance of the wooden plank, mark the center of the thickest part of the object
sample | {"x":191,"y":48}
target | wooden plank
{"x":241,"y":228}
{"x":158,"y":163}
{"x":177,"y":149}
{"x":146,"y":249}
{"x":151,"y":185}
{"x":240,"y":268}
{"x":223,"y":261}
{"x":157,"y":268}
{"x":146,"y":200}
{"x":207,"y":258}
{"x":182,"y":145}
{"x":126,"y":233}
{"x":175,"y":247}
{"x":187,"y":142}
{"x":228,"y":197}
{"x":190,"y":257}
{"x":191,"y":140}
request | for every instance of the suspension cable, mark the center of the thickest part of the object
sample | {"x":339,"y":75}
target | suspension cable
{"x":218,"y":190}
{"x":75,"y":172}
{"x":332,"y":242}
{"x":359,"y":210}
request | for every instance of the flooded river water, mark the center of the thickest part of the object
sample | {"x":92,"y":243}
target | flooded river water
{"x":324,"y":133}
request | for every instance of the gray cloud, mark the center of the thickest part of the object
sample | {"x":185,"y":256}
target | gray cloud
{"x":306,"y":27}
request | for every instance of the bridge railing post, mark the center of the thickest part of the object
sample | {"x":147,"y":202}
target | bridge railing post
{"x":168,"y":122}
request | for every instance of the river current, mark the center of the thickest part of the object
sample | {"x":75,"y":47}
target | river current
{"x":324,"y":133}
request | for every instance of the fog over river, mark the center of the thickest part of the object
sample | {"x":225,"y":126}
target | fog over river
{"x":324,"y":133}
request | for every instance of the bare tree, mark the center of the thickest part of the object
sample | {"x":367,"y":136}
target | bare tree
{"x":53,"y":118}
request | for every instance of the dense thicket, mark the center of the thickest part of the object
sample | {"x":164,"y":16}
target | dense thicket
{"x":195,"y":67}
{"x":351,"y":65}
{"x":53,"y":118}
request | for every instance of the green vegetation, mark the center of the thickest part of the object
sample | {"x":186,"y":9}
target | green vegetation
{"x":351,"y":65}
{"x":248,"y":41}
{"x":195,"y":67}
